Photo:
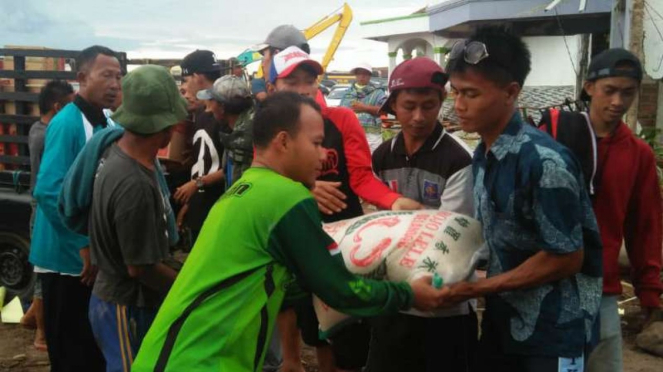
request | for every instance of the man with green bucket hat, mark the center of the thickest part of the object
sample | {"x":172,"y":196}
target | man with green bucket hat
{"x":128,"y":217}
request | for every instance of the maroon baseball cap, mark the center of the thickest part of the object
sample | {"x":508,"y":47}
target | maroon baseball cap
{"x":420,"y":72}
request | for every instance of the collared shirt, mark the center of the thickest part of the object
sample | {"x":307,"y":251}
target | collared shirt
{"x":93,"y":114}
{"x":530,"y":196}
{"x":438,"y":175}
{"x":368,"y":95}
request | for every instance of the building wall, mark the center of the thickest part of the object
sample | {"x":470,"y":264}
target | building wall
{"x":648,"y":102}
{"x":407,"y":25}
{"x":551,"y":65}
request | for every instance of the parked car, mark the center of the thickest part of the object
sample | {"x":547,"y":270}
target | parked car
{"x":336,"y":94}
{"x":379,"y":82}
{"x":328,"y":83}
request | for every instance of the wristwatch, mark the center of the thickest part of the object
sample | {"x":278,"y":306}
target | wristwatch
{"x":199,"y":183}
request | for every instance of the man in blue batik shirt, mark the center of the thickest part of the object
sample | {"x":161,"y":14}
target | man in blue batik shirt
{"x":543,"y":285}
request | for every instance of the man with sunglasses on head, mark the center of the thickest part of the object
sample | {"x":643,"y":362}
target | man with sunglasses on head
{"x":543,"y":281}
{"x":620,"y":171}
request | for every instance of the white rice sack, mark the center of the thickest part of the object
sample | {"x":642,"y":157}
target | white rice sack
{"x":403,"y":246}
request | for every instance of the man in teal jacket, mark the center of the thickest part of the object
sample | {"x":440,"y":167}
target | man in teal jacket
{"x":61,"y":256}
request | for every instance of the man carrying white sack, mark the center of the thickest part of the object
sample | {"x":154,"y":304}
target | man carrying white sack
{"x":424,"y":163}
{"x":543,"y":285}
{"x":220,"y":313}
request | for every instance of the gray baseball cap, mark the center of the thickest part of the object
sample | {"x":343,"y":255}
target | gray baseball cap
{"x":282,"y":37}
{"x":224,"y":89}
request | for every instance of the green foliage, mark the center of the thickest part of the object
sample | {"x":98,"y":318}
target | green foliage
{"x":652,"y":136}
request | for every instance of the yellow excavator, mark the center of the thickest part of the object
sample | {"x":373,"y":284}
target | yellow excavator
{"x":342,"y":16}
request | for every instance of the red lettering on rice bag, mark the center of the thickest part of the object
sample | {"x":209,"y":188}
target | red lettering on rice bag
{"x":443,"y":215}
{"x":437,"y":220}
{"x":333,"y":228}
{"x":412,"y":231}
{"x":376,"y":252}
{"x":419,"y":245}
{"x":407,"y":262}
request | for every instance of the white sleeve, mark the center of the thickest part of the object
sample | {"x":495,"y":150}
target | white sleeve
{"x":458,"y":195}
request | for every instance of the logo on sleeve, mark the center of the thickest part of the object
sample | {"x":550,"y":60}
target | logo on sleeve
{"x":330,"y":165}
{"x":431,"y":190}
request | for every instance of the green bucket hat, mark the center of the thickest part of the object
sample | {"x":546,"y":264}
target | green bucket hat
{"x":151,"y":101}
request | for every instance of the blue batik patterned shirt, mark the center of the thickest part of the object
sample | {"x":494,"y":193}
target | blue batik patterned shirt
{"x":529,"y":195}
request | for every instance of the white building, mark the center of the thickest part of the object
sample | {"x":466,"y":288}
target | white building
{"x":553,"y":37}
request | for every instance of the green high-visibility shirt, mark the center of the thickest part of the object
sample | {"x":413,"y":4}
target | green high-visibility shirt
{"x":263,"y":233}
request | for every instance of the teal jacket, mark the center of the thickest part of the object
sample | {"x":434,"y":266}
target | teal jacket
{"x":54,"y":247}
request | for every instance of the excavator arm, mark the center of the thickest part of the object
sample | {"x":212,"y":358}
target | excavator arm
{"x":343,"y":18}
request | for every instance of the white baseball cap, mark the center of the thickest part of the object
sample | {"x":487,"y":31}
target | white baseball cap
{"x":363,"y":66}
{"x":286,"y":61}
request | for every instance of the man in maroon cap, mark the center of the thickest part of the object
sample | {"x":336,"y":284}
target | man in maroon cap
{"x":427,"y":164}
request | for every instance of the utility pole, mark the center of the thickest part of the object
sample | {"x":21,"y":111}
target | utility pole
{"x":583,"y":66}
{"x":635,"y":45}
{"x":620,"y":24}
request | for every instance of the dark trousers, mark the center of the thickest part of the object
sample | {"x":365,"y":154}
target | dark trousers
{"x":410,"y":343}
{"x":349,"y":345}
{"x":71,"y":345}
{"x":492,"y":357}
{"x":522,"y":363}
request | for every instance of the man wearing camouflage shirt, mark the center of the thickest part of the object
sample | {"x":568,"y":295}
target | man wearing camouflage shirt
{"x":230,"y":101}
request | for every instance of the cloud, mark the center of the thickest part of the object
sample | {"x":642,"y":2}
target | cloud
{"x":173,"y":28}
{"x":24,"y":23}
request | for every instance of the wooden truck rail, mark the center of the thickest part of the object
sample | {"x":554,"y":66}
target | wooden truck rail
{"x":22,"y":74}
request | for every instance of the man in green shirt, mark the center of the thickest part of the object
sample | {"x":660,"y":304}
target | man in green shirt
{"x":262,"y":234}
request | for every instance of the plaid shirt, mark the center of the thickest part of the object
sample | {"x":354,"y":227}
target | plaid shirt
{"x":368,"y":95}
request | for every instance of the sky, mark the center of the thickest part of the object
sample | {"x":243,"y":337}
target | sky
{"x":171,"y":29}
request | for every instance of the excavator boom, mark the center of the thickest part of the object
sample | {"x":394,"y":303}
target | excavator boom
{"x":343,"y":18}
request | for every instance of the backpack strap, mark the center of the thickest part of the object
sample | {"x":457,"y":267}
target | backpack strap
{"x":595,"y":157}
{"x":554,"y":122}
{"x":549,"y":122}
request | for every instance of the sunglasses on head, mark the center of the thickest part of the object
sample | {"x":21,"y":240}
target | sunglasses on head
{"x":472,"y":52}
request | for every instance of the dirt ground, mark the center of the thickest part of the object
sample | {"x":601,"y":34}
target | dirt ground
{"x":18,"y":355}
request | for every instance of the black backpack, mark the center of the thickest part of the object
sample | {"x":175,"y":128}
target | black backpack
{"x":573,"y":130}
